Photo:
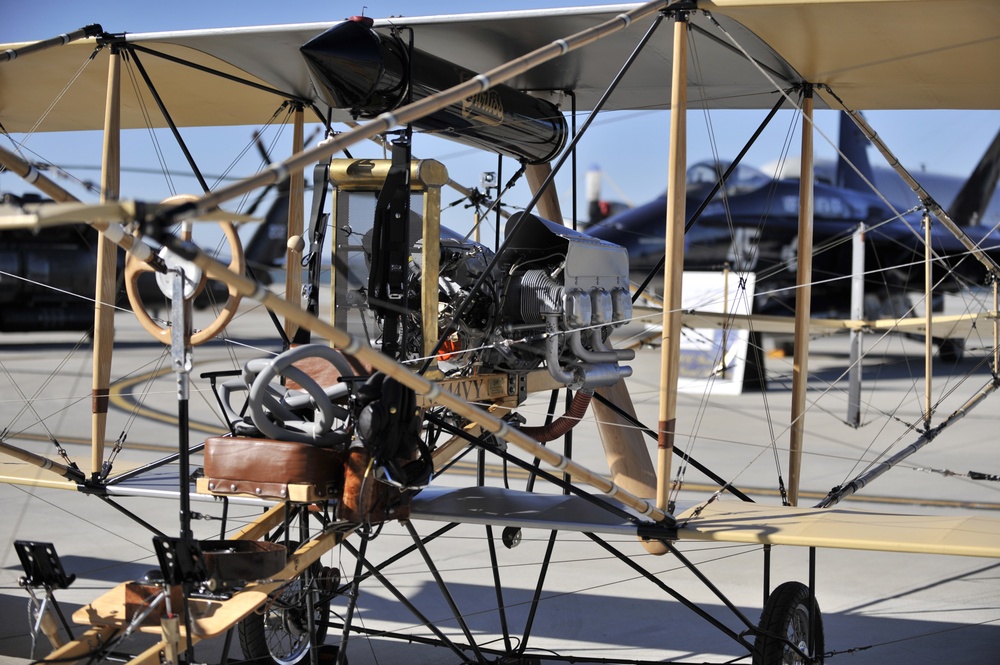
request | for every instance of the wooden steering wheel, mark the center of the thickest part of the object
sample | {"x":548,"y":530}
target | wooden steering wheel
{"x":195,"y":281}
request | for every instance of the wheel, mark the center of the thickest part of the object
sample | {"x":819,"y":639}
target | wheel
{"x":134,"y":268}
{"x":787,"y":619}
{"x":281,"y":633}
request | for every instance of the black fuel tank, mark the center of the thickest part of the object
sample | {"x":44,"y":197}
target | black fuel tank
{"x":356,"y":68}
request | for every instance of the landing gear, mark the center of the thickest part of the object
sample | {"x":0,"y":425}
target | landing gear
{"x":281,"y":631}
{"x":791,"y":628}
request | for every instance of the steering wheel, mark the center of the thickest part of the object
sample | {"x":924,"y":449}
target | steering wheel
{"x":280,"y":414}
{"x":195,"y":281}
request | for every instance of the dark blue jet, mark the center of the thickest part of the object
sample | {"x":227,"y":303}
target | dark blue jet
{"x":752,"y":225}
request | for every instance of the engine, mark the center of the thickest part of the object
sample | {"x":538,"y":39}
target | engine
{"x":554,"y":297}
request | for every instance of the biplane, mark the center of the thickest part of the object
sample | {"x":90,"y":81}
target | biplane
{"x":336,"y":464}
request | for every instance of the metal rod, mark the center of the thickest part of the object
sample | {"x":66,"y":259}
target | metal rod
{"x":928,"y":320}
{"x":229,"y":77}
{"x":424,"y":621}
{"x":813,"y":616}
{"x":501,"y":608}
{"x":170,"y":121}
{"x":839,"y":493}
{"x":635,"y":422}
{"x":857,"y":335}
{"x":996,"y":325}
{"x":456,"y":612}
{"x":92,"y":30}
{"x":767,"y":573}
{"x":676,"y":595}
{"x":539,"y":585}
{"x":352,"y":601}
{"x":532,"y":468}
{"x":296,"y":222}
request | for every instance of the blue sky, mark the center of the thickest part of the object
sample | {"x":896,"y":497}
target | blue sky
{"x":945,"y":141}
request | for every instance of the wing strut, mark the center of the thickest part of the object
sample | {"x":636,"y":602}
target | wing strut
{"x":674,"y":252}
{"x":107,"y":260}
{"x":803,"y":301}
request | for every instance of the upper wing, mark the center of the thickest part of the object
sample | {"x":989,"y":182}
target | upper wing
{"x":876,"y":54}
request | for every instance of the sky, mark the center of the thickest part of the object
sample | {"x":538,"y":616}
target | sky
{"x":628,"y":147}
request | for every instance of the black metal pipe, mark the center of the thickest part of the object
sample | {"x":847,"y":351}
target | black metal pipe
{"x":536,"y":598}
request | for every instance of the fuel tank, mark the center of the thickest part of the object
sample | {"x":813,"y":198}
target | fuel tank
{"x":368,"y":73}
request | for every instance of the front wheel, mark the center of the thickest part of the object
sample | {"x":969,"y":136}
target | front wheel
{"x":787,"y":620}
{"x":280,"y":633}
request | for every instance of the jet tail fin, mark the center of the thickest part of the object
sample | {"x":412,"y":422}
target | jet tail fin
{"x":853,"y":150}
{"x":972,"y":200}
{"x":269,"y":242}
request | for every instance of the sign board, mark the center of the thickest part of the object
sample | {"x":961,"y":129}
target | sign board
{"x":712,"y":358}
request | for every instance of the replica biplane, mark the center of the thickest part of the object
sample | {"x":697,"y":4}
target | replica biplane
{"x":350,"y":433}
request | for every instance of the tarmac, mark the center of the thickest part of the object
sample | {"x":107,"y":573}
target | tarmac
{"x":882,"y":608}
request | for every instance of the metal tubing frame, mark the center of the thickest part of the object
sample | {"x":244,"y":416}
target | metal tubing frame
{"x":676,"y":595}
{"x":443,"y":588}
{"x":228,"y":77}
{"x":539,"y":585}
{"x":401,"y":597}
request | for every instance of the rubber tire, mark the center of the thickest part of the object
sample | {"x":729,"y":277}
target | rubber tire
{"x":253,"y":637}
{"x":783,"y":615}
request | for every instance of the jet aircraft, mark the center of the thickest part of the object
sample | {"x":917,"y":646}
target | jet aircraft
{"x":751,"y":224}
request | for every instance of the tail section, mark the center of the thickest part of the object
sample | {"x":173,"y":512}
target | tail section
{"x":267,"y":246}
{"x":853,"y":150}
{"x":972,"y":200}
